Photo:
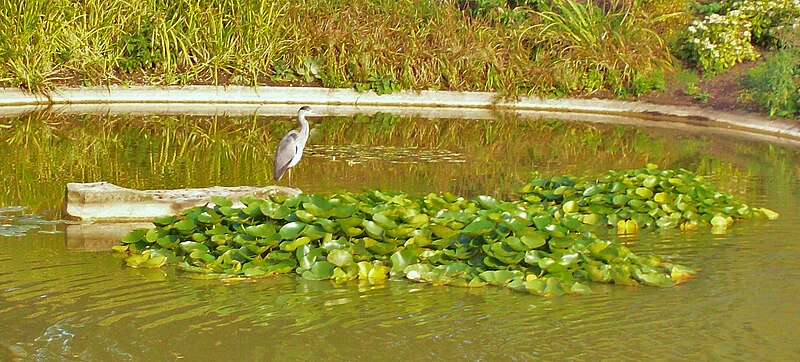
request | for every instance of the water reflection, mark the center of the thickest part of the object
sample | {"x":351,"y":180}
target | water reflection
{"x":61,"y":300}
{"x":45,"y":151}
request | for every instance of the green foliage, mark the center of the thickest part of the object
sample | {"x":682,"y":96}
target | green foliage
{"x":540,"y":244}
{"x":718,"y":42}
{"x":650,"y":197}
{"x":438,"y":238}
{"x":282,"y":72}
{"x":728,"y":30}
{"x":481,"y":45}
{"x":379,"y":84}
{"x":767,"y":18}
{"x":698,"y":94}
{"x":614,"y":47}
{"x":774,"y":84}
{"x":138,"y":50}
{"x":645,"y":82}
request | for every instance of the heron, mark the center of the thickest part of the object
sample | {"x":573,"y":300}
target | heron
{"x":290,"y":149}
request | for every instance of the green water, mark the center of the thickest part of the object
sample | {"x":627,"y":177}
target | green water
{"x":61,"y":301}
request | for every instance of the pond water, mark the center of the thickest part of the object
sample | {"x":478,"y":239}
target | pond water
{"x":70,"y":299}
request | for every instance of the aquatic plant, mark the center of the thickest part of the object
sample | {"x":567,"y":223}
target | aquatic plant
{"x":642,"y":198}
{"x":541,"y":243}
{"x":438,"y":238}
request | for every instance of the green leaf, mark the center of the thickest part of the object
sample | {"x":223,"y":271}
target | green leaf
{"x":314,"y":232}
{"x":487,"y":202}
{"x":340,"y":257}
{"x":591,"y":191}
{"x":383,"y":221}
{"x":185,"y":226}
{"x":479,"y":227}
{"x":221,"y":201}
{"x":644,"y":192}
{"x":294,"y":244}
{"x":320,"y":270}
{"x":499,"y":277}
{"x":542,"y":221}
{"x":373,"y":229}
{"x":442,"y":231}
{"x":292,"y":230}
{"x":134,"y":236}
{"x":261,"y":231}
{"x":191,"y":246}
{"x":402,"y":259}
{"x":164,"y":220}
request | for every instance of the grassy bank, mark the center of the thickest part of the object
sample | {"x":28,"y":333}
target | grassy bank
{"x":554,"y":48}
{"x":382,"y":45}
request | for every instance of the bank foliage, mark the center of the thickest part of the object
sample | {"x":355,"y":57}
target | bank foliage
{"x":513,"y":47}
{"x":727,"y":32}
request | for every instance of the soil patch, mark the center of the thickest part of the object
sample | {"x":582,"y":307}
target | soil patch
{"x":720,"y":92}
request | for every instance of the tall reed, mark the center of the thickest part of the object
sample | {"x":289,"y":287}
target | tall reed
{"x":415,"y":44}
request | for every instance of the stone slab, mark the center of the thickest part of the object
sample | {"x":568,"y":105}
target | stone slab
{"x":263,"y":95}
{"x":106,"y":202}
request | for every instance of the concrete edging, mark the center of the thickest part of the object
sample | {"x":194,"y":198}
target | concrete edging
{"x":783,"y":128}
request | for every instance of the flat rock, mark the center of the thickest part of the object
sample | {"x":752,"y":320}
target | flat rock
{"x":106,"y":202}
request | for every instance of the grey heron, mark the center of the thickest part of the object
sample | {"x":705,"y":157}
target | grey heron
{"x":290,"y":149}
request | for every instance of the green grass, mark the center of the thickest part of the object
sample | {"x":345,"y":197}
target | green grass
{"x":567,"y":46}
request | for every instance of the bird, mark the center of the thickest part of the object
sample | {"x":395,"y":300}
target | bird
{"x":290,"y":149}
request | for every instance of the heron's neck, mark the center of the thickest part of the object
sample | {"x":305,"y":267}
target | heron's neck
{"x":303,"y":126}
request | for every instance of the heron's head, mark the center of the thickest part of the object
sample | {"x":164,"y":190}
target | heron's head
{"x":304,"y":110}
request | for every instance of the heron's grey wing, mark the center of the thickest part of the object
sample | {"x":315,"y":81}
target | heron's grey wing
{"x":284,"y":154}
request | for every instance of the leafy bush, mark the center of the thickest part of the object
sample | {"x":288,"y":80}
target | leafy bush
{"x":769,"y":17}
{"x":774,"y":85}
{"x":726,"y":34}
{"x":718,"y":42}
{"x":139,"y":52}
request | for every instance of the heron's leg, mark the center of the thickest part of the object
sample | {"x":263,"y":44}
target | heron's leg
{"x":290,"y":176}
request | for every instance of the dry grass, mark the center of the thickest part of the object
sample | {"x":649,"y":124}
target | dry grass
{"x":417,"y":44}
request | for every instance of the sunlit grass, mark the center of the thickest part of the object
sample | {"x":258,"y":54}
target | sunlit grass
{"x":420,"y":44}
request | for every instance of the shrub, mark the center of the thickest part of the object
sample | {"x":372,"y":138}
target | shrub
{"x":767,"y":18}
{"x":774,"y":85}
{"x":726,"y":35}
{"x":718,"y":42}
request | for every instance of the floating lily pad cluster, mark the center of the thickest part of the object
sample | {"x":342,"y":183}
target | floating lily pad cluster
{"x":14,"y":223}
{"x":440,"y":239}
{"x":646,"y":198}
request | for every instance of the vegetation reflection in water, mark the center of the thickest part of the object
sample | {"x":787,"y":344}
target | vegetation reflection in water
{"x":153,"y":152}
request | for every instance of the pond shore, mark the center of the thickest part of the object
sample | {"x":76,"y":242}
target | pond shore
{"x":271,"y":95}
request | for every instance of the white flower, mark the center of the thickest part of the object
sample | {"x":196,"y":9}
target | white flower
{"x":692,"y":29}
{"x":746,"y":34}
